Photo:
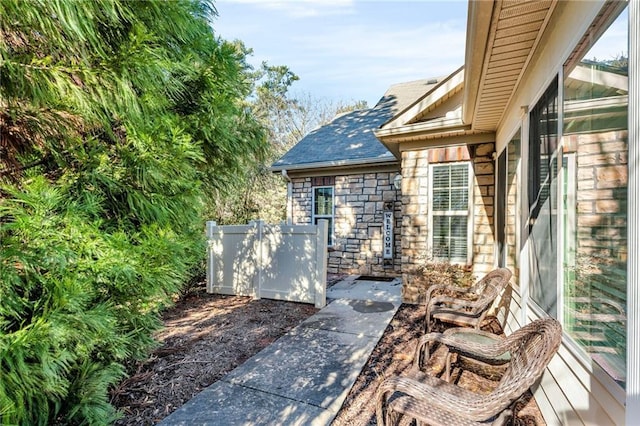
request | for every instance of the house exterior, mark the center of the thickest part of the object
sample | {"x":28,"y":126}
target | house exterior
{"x":550,"y":94}
{"x":341,"y":172}
{"x":528,"y":157}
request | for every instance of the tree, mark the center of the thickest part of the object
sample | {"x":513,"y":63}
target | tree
{"x":113,"y":115}
{"x":258,"y":193}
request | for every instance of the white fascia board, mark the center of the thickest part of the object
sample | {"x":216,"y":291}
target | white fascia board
{"x":329,"y":164}
{"x":478,"y":25}
{"x":433,"y":126}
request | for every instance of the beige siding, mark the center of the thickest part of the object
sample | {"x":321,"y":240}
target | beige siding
{"x":567,"y":391}
{"x":571,"y":382}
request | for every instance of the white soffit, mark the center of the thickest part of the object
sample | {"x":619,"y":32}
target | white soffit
{"x":516,"y":29}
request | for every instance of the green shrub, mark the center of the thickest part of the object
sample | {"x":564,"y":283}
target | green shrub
{"x":77,"y":304}
{"x":116,"y":113}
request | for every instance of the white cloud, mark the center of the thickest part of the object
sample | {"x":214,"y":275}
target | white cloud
{"x":297,"y":9}
{"x":394,"y":55}
{"x":438,"y":40}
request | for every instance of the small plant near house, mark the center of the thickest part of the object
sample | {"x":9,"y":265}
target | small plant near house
{"x":430,"y":271}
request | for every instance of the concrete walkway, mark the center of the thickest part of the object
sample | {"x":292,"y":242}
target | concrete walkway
{"x":303,"y":377}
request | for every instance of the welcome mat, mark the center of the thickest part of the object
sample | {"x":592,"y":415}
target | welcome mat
{"x":372,"y":278}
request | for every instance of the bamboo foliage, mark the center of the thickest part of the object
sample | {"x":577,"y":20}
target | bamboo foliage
{"x":113,"y":116}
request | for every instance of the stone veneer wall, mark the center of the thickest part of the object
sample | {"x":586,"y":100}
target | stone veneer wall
{"x":415,"y":210}
{"x":359,"y":206}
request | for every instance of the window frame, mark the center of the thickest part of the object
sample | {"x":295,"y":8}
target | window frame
{"x":500,"y":210}
{"x":507,"y":204}
{"x":452,"y":213}
{"x":549,"y":295}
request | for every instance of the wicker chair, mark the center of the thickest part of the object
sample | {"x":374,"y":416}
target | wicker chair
{"x":465,"y":307}
{"x":492,"y":368}
{"x":430,"y":400}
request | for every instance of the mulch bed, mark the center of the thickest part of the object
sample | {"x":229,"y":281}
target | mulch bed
{"x":206,"y":336}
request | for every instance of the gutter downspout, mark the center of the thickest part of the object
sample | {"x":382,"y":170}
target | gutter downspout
{"x":289,"y":197}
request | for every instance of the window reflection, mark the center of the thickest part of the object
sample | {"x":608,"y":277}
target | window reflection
{"x":595,"y":146}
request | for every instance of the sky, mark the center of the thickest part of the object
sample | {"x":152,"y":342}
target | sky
{"x":349,"y":50}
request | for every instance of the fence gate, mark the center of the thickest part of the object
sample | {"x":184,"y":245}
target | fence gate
{"x":284,"y":262}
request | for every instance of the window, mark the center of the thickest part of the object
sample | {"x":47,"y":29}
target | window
{"x":449,"y":200}
{"x":542,"y":200}
{"x":323,"y":208}
{"x":507,"y":211}
{"x":513,"y":215}
{"x":501,"y":187}
{"x":577,"y":184}
{"x":595,"y":179}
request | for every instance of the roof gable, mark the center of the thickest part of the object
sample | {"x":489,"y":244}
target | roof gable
{"x":436,"y":115}
{"x":430,"y":101}
{"x":349,"y":138}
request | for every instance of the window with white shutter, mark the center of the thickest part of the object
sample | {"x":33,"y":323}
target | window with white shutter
{"x":449,"y":199}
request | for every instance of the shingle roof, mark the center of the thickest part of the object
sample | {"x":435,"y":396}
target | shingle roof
{"x":349,"y":137}
{"x":405,"y":94}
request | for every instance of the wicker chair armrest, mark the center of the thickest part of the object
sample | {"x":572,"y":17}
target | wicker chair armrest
{"x":616,"y":311}
{"x":613,"y":304}
{"x":447,"y":303}
{"x":423,"y":348}
{"x":478,"y":351}
{"x":444,"y":302}
{"x":453,"y":331}
{"x":435,"y":289}
{"x":446,"y":289}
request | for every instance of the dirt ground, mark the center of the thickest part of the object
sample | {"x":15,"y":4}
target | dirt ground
{"x":206,"y":336}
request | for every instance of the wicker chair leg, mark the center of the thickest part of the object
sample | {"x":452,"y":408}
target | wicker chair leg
{"x":427,"y":323}
{"x":394,"y":419}
{"x":384,"y":415}
{"x":447,"y":368}
{"x":517,"y":406}
{"x":421,"y":357}
{"x":505,"y":418}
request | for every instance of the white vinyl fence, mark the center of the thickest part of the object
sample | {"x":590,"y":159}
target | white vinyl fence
{"x":284,"y":262}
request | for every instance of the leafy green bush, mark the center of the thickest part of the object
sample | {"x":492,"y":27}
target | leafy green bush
{"x":78,"y":302}
{"x":114,"y":115}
